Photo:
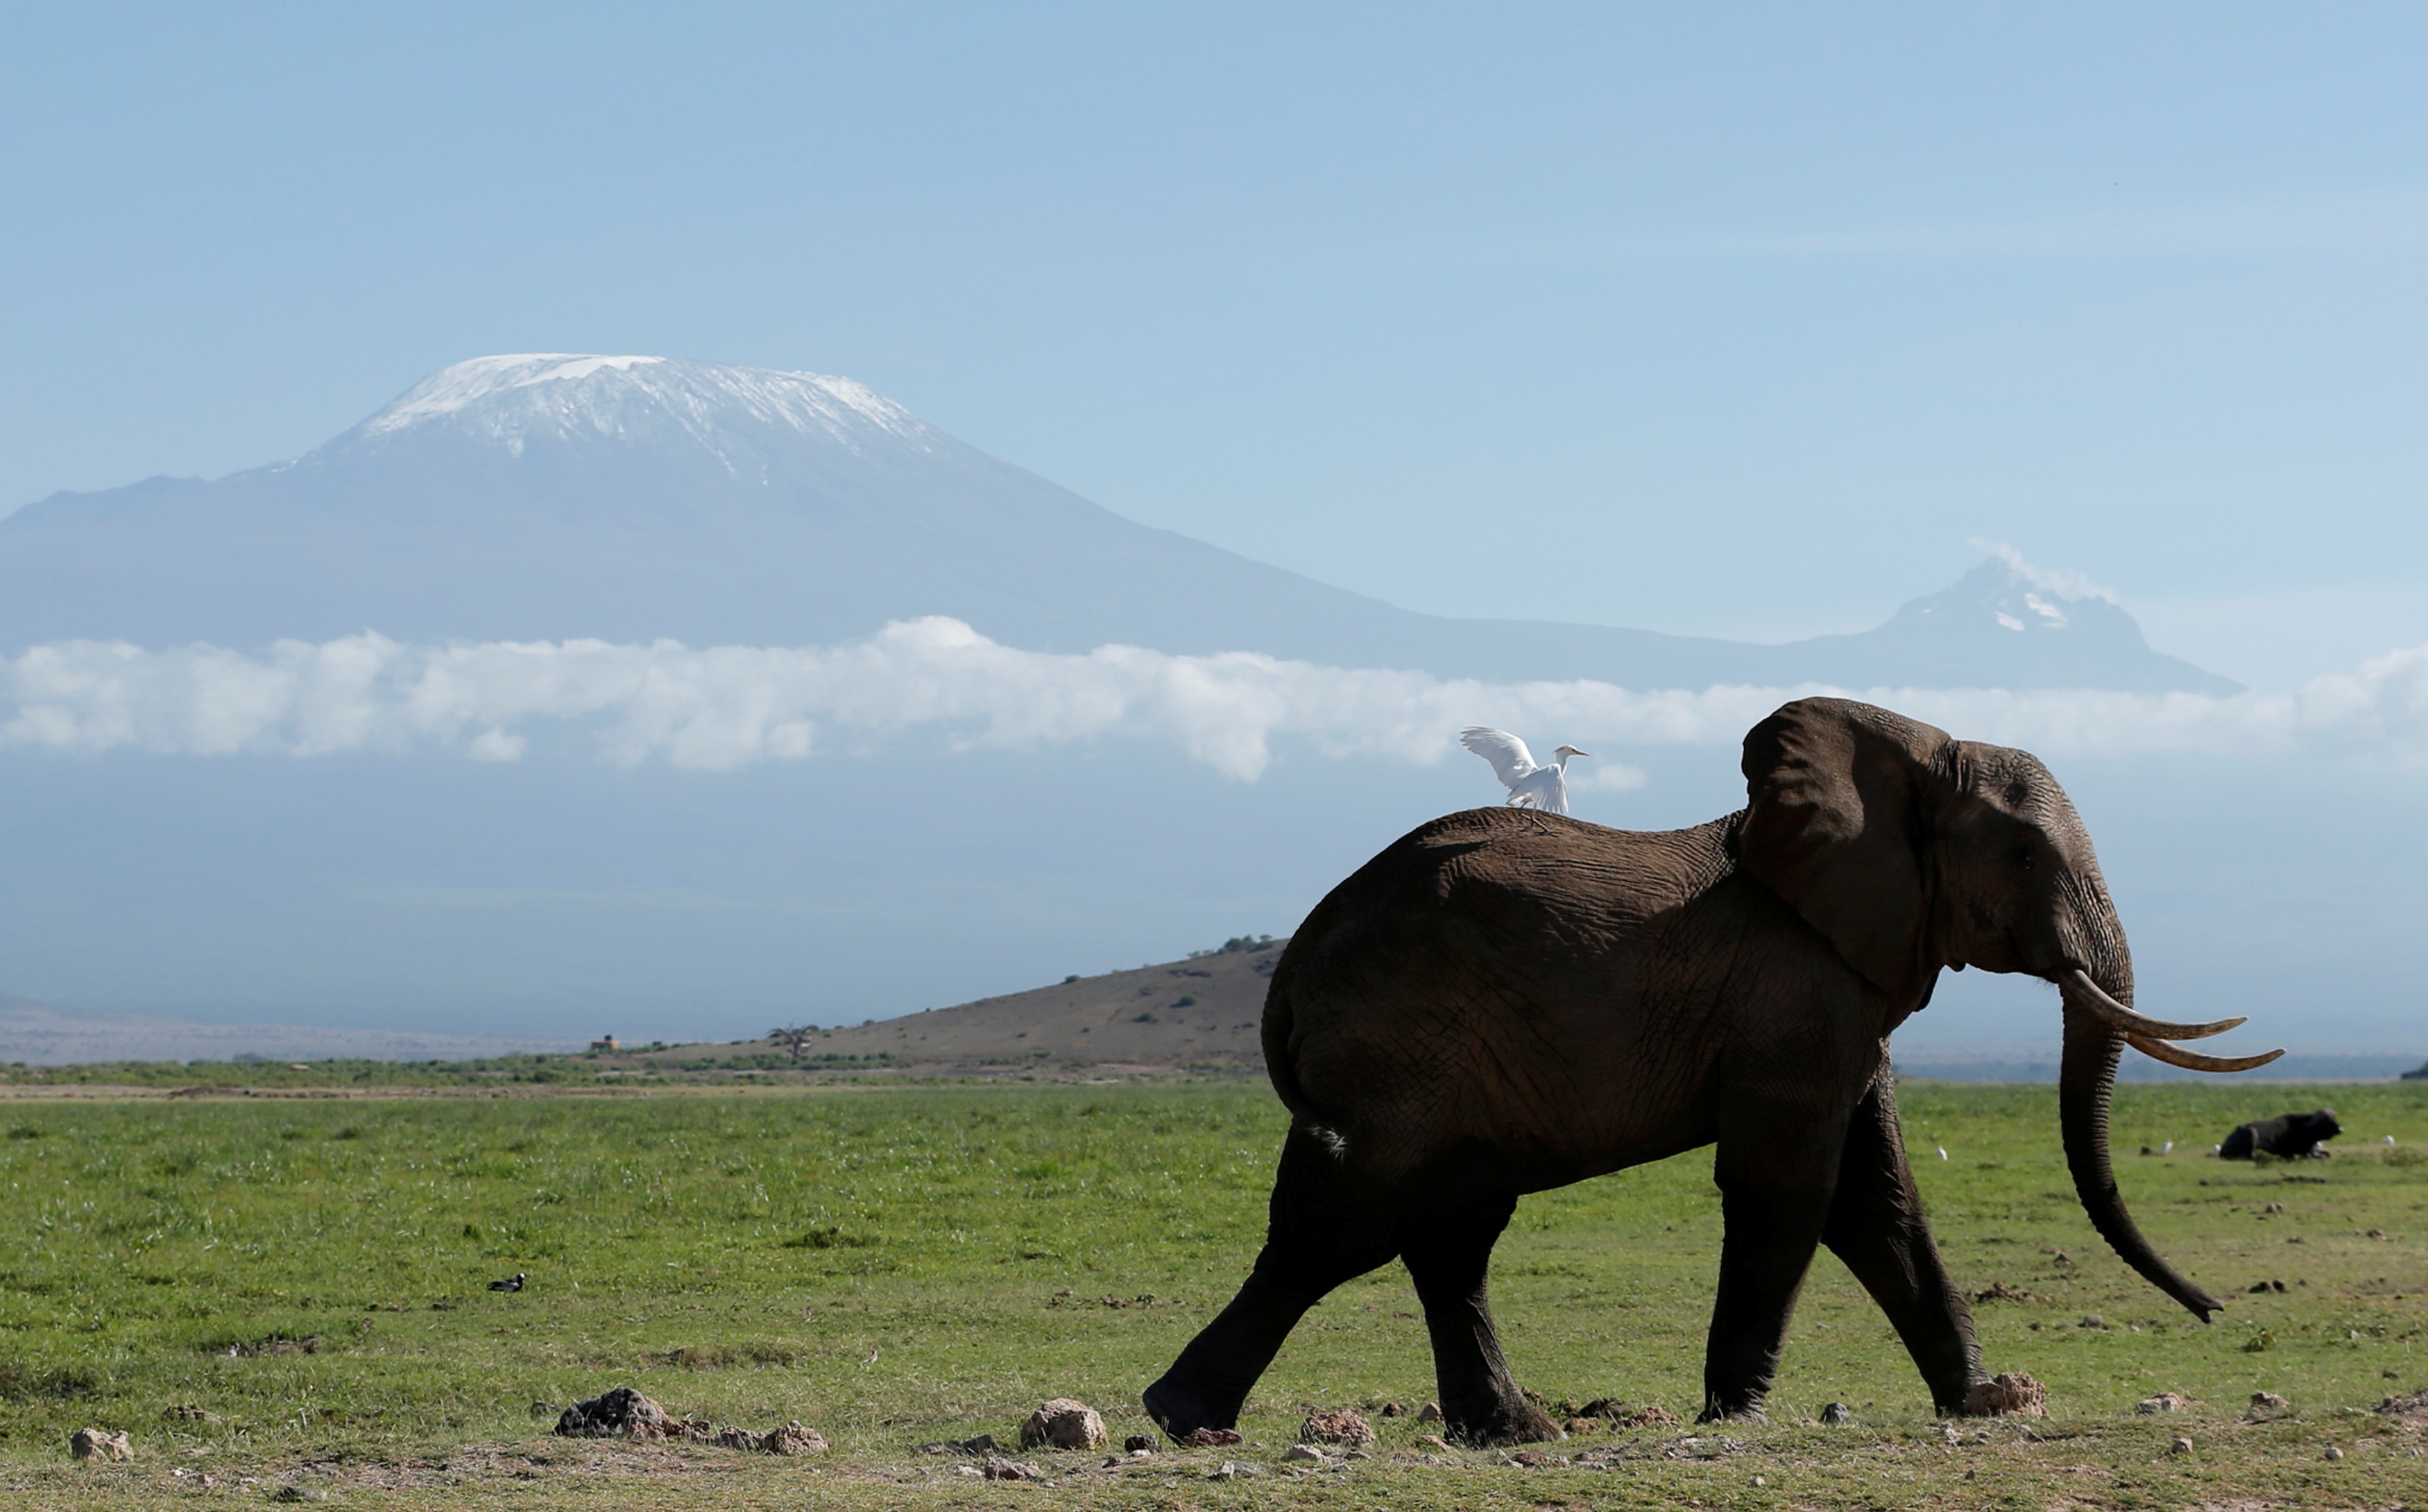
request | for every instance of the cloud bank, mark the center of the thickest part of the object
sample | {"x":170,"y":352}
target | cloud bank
{"x":728,"y":707}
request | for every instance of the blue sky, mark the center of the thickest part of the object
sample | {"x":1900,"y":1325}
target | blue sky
{"x":1740,"y":320}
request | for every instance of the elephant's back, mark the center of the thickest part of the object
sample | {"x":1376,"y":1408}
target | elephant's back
{"x":1485,"y":968}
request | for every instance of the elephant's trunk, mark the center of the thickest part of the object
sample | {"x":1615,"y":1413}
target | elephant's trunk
{"x":2086,"y":1081}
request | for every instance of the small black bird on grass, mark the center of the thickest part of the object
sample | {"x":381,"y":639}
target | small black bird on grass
{"x":516,"y":1284}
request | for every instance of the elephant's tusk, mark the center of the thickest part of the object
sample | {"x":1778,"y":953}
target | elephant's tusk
{"x":2194,"y":1061}
{"x":2132,"y":1023}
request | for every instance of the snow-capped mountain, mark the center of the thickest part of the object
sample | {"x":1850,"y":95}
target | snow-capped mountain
{"x":636,"y":498}
{"x":2003,"y":625}
{"x":733,"y":414}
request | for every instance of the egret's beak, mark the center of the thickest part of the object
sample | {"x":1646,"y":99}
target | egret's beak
{"x":1571,"y":750}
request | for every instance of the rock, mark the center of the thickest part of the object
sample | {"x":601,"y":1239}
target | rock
{"x":1531,"y":1458}
{"x":99,"y":1443}
{"x":2164,"y":1402}
{"x":2009,"y":1393}
{"x":967,"y":1470}
{"x":1232,"y":1469}
{"x":1210,"y":1438}
{"x":2265,"y":1402}
{"x":794,"y":1438}
{"x":1429,"y":1412}
{"x":2001,"y":1291}
{"x":1138,"y":1444}
{"x":2181,"y":1446}
{"x":2332,"y":1453}
{"x":1306,"y":1455}
{"x":1344,"y":1427}
{"x":998,"y":1469}
{"x":1064,"y":1423}
{"x":622,"y":1413}
{"x":1435,"y":1440}
{"x":1836,"y":1413}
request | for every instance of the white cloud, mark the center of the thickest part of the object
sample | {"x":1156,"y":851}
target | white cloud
{"x":733,"y":706}
{"x":2063,"y":584}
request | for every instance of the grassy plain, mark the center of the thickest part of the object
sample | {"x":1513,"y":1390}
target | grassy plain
{"x":899,"y":1265}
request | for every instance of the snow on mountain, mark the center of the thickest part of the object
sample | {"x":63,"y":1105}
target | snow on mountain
{"x":511,"y":399}
{"x":631,"y":499}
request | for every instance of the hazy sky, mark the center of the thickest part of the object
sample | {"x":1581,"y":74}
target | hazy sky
{"x":1734,"y":320}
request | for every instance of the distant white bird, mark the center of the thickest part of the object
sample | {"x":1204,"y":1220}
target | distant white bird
{"x":1530,"y":787}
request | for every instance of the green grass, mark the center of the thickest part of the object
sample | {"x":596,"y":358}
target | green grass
{"x":900,"y":1265}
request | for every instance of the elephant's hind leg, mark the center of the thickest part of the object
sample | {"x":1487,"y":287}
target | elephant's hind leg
{"x":1324,"y":1231}
{"x":1448,"y":1259}
{"x":1877,"y":1226}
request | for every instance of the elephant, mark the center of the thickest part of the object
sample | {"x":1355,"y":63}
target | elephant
{"x":1504,"y":1001}
{"x":2292,"y":1136}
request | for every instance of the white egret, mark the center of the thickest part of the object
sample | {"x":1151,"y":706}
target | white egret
{"x":1530,"y":787}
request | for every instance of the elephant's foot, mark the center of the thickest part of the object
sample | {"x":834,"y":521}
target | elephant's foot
{"x":1752,"y":1416}
{"x":1741,"y":1404}
{"x":2005,"y":1392}
{"x":1501,"y":1424}
{"x":1180,"y":1410}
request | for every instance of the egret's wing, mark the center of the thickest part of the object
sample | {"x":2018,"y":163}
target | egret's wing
{"x":1510,"y":761}
{"x":1555,"y":791}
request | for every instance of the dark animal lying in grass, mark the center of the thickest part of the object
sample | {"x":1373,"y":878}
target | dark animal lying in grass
{"x":2289,"y":1135}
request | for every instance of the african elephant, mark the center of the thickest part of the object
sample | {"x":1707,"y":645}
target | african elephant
{"x":1504,"y":1002}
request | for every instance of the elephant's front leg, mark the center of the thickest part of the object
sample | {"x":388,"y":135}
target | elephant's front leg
{"x":1877,"y":1226}
{"x":1776,"y":1169}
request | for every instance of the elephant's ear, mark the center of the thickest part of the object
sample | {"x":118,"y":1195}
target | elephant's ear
{"x":1838,"y":825}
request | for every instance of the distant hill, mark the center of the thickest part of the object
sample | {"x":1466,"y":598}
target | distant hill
{"x":1201,"y":1010}
{"x":628,"y":498}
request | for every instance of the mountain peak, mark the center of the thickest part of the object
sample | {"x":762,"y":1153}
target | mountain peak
{"x":452,"y":389}
{"x":2010,"y":624}
{"x":515,"y":399}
